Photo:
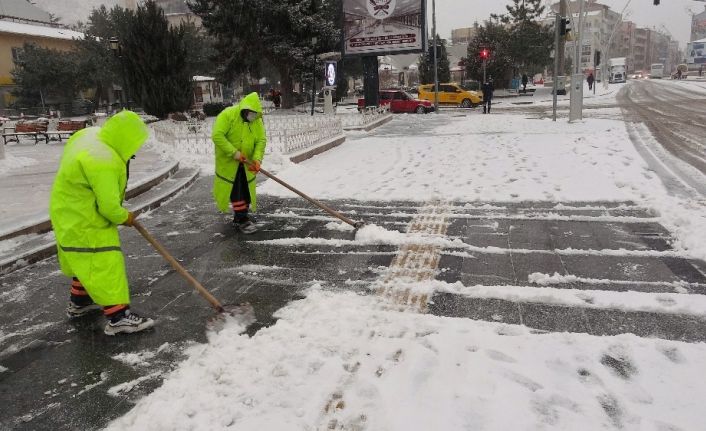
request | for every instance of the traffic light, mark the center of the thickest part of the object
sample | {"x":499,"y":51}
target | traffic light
{"x":484,"y":53}
{"x":431,"y":51}
{"x":597,"y":58}
{"x":565,"y":26}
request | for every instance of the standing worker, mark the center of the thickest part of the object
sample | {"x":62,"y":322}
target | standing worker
{"x":488,"y":91}
{"x":85,"y":211}
{"x":239,"y":136}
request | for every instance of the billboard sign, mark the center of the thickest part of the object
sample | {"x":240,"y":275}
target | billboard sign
{"x":330,"y":71}
{"x":696,"y":53}
{"x":383,"y":27}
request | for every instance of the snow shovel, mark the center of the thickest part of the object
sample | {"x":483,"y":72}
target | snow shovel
{"x":355,"y":224}
{"x":243,"y":313}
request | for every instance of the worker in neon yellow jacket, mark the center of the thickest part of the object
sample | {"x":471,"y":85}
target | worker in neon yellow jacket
{"x":85,"y":211}
{"x":239,"y":135}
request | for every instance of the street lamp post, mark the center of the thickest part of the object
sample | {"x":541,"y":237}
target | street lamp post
{"x":436,"y":60}
{"x":118,"y":52}
{"x":314,"y":40}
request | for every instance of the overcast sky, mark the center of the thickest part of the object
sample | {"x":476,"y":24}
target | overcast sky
{"x":672,"y":14}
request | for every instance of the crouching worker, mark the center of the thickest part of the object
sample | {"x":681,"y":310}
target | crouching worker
{"x":239,"y":136}
{"x":85,"y":211}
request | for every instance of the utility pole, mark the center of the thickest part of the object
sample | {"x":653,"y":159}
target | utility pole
{"x":314,"y":40}
{"x":576,"y":99}
{"x":561,"y":47}
{"x":579,"y":40}
{"x":436,"y":68}
{"x":557,"y":61}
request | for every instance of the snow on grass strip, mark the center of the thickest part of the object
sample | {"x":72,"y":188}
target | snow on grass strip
{"x":543,"y":279}
{"x":666,"y":303}
{"x":376,"y":235}
{"x":540,"y":217}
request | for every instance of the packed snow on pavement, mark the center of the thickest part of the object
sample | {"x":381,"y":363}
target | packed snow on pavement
{"x":343,"y":360}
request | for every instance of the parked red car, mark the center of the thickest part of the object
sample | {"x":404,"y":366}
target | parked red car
{"x":401,"y":101}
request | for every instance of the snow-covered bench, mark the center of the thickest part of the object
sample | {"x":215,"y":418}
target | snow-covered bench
{"x":65,"y":129}
{"x":36,"y":130}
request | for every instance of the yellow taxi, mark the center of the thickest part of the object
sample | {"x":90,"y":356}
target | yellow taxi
{"x":451,"y":94}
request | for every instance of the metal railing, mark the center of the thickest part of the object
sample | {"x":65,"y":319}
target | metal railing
{"x":365,"y":117}
{"x":286,"y":134}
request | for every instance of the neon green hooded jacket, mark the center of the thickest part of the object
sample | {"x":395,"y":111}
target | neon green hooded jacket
{"x":86,"y":205}
{"x":230,"y":134}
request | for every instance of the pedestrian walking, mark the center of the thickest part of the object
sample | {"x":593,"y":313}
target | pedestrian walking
{"x":525,"y":80}
{"x":591,"y":79}
{"x":239,"y":136}
{"x":488,"y":91}
{"x":85,"y":211}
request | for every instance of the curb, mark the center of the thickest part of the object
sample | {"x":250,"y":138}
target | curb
{"x":370,"y":126}
{"x":306,"y":155}
{"x":44,"y":224}
{"x":44,"y":251}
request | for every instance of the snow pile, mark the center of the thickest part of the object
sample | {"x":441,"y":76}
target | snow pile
{"x":373,"y":234}
{"x":138,"y":359}
{"x":340,"y":226}
{"x":344,"y":361}
{"x":665,"y":303}
{"x":546,"y":279}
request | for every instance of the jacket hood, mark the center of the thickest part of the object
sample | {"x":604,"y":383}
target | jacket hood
{"x":125,"y":132}
{"x":251,"y":102}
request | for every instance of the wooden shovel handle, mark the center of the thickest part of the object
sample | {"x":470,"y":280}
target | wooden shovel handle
{"x":177,"y":266}
{"x":310,"y":199}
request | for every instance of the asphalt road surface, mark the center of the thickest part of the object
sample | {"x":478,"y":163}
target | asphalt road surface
{"x":675,"y":113}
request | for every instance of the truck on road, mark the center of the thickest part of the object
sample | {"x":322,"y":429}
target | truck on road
{"x":616,"y":70}
{"x":657,"y":71}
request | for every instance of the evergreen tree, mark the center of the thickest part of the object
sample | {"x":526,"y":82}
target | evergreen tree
{"x":155,"y":61}
{"x":522,"y":10}
{"x":248,"y":33}
{"x":494,"y":37}
{"x":529,"y":42}
{"x":426,"y":63}
{"x":100,"y":67}
{"x":44,"y":75}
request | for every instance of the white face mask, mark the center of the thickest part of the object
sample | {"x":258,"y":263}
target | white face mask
{"x":252,"y":116}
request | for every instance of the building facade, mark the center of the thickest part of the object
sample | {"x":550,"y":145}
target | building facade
{"x":464,"y":36}
{"x":605,"y":31}
{"x":176,"y":11}
{"x":22,"y":23}
{"x":698,"y":26}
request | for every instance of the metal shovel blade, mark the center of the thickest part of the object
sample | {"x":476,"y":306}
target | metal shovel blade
{"x":242,"y":315}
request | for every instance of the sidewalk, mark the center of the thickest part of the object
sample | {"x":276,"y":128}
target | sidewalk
{"x":27,"y":174}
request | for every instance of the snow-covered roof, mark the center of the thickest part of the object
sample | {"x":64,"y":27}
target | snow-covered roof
{"x":699,"y":41}
{"x":24,"y":10}
{"x":203,"y":78}
{"x":39,"y":30}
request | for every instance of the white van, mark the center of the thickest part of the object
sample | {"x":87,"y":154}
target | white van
{"x":657,"y":71}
